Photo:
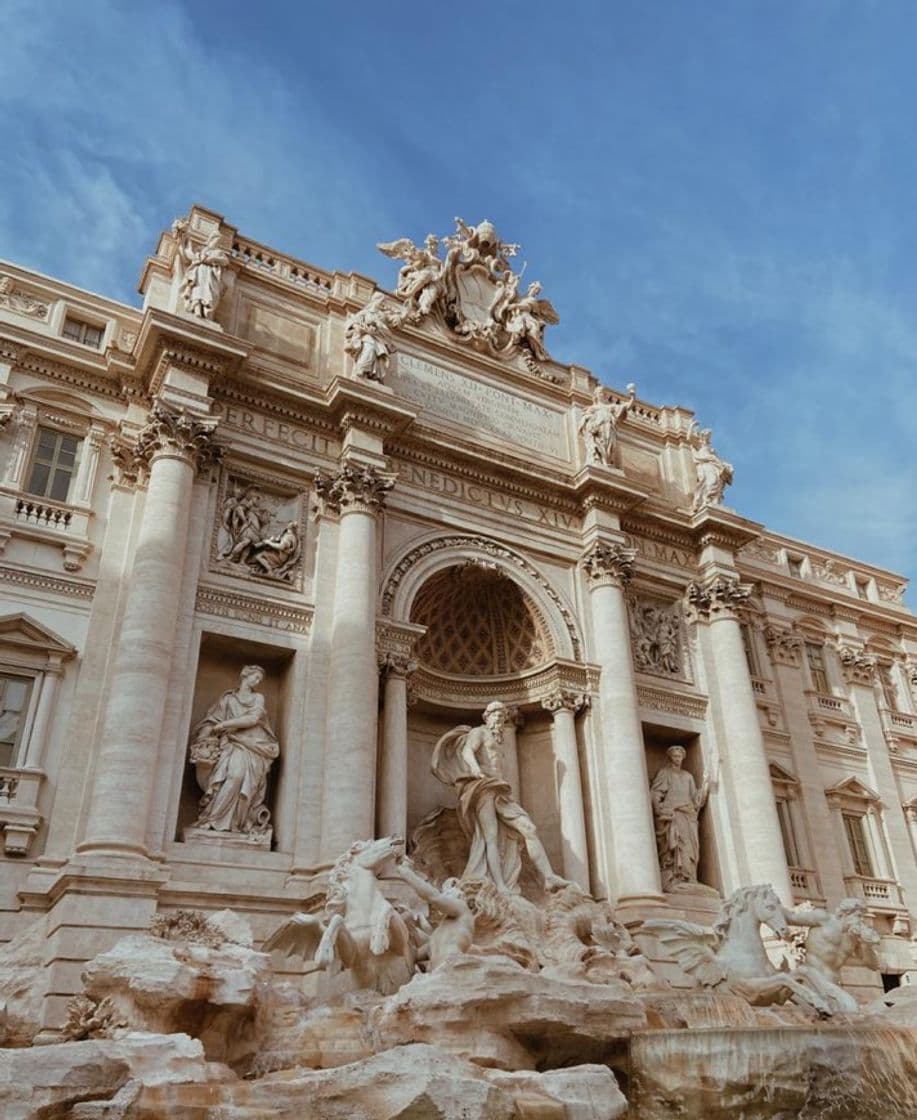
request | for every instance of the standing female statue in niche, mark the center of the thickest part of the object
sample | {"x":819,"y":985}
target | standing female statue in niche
{"x":676,"y":804}
{"x":233,"y":747}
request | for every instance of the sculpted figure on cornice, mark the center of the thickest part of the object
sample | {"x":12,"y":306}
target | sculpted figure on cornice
{"x":656,"y":637}
{"x":676,"y":804}
{"x":249,"y":537}
{"x":369,"y":338}
{"x":599,"y":425}
{"x":202,"y":279}
{"x":469,"y":759}
{"x":474,"y":291}
{"x":232,"y":749}
{"x":713,"y":473}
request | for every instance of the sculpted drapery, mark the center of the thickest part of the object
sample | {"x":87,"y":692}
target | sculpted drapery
{"x":676,"y":804}
{"x":233,"y":747}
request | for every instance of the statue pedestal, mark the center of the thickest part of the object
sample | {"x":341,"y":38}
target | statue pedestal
{"x":261,"y":840}
{"x":696,"y":901}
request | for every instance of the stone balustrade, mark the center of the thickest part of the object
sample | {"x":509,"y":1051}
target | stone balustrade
{"x":19,"y":816}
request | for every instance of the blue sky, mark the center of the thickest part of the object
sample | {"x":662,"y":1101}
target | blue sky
{"x":719,"y":198}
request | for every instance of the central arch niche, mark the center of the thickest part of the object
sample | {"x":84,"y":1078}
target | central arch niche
{"x":485,"y":639}
{"x":479,"y":623}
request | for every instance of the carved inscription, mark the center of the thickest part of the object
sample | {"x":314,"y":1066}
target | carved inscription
{"x":664,"y":553}
{"x":450,"y":395}
{"x":438,"y":482}
{"x":276,"y":431}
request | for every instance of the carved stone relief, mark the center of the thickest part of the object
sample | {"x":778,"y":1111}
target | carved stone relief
{"x":259,"y":532}
{"x":15,"y":299}
{"x":657,"y":638}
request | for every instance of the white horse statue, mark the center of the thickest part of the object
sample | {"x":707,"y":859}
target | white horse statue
{"x":732,"y":953}
{"x":358,"y":929}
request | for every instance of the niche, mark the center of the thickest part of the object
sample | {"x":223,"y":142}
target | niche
{"x":220,"y":663}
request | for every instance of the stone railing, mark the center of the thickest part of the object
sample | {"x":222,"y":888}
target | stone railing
{"x":287,"y":269}
{"x":19,"y":816}
{"x":830,"y":704}
{"x":804,"y":882}
{"x":876,"y":892}
{"x":50,"y":515}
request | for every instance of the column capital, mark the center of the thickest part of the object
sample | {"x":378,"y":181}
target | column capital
{"x":857,"y":666}
{"x":564,"y":700}
{"x":720,"y":597}
{"x":392,"y":664}
{"x":356,"y":488}
{"x":785,"y":646}
{"x":168,"y":433}
{"x":607,"y":563}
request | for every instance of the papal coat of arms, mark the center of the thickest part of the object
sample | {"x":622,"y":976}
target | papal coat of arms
{"x":466,"y":280}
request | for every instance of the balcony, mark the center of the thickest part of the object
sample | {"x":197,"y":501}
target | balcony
{"x":881,"y":894}
{"x":804,"y":882}
{"x":39,"y":519}
{"x":899,"y":726}
{"x":19,"y":816}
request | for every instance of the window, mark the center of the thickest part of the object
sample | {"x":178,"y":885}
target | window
{"x":787,"y":832}
{"x":751,"y":655}
{"x":794,"y":563}
{"x":816,"y":661}
{"x":53,"y":464}
{"x":14,"y":703}
{"x":86,"y":333}
{"x":859,"y":846}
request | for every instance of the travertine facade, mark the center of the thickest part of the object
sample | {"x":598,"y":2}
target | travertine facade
{"x":398,"y":508}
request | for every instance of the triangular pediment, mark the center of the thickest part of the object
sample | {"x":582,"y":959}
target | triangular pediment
{"x":852,"y":787}
{"x":23,"y":632}
{"x":778,"y":774}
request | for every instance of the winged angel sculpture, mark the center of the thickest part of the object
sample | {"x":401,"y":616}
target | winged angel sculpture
{"x":358,"y":929}
{"x":474,"y":291}
{"x":732,"y":954}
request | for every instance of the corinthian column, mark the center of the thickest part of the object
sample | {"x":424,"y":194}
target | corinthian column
{"x":357,"y":494}
{"x":173,"y":447}
{"x":563,"y":706}
{"x":608,"y":567}
{"x":393,"y":764}
{"x":717,"y":604}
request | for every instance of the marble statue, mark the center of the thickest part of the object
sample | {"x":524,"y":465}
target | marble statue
{"x":202,"y":279}
{"x":244,"y":538}
{"x":358,"y":929}
{"x":732,"y":954}
{"x":832,"y":939}
{"x":232,"y":748}
{"x":676,"y":804}
{"x":497,"y":827}
{"x":420,"y":280}
{"x":455,"y":931}
{"x":713,"y":473}
{"x":599,"y":425}
{"x":369,"y":338}
{"x":656,"y":638}
{"x":473,"y":291}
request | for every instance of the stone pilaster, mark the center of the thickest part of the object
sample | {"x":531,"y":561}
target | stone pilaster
{"x":392,"y":808}
{"x":357,"y":495}
{"x":607,"y":567}
{"x":563,"y":706}
{"x":717,"y":603}
{"x":175,"y":446}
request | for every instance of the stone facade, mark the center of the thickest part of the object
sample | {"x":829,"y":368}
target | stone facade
{"x":395,"y":507}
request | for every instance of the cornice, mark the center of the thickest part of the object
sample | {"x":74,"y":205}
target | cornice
{"x":166,"y":340}
{"x":715,"y":525}
{"x":307,"y":410}
{"x":48,"y":584}
{"x":29,"y":358}
{"x":258,"y":609}
{"x":825,"y":602}
{"x":370,"y":407}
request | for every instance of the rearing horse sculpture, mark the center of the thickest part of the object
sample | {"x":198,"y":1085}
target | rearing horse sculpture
{"x":360,"y":930}
{"x":732,"y":953}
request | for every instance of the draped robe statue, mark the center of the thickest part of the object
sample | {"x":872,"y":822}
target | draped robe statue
{"x":676,"y":804}
{"x":233,"y":747}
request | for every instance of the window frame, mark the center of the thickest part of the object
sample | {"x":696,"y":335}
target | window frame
{"x":60,"y":434}
{"x":812,"y":647}
{"x":864,"y":858}
{"x":24,"y":730}
{"x":83,"y":325}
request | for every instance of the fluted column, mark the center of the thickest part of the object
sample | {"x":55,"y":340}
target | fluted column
{"x":716,"y":603}
{"x":563,"y":706}
{"x":392,"y":807}
{"x":357,"y":493}
{"x":608,"y":567}
{"x":174,"y":446}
